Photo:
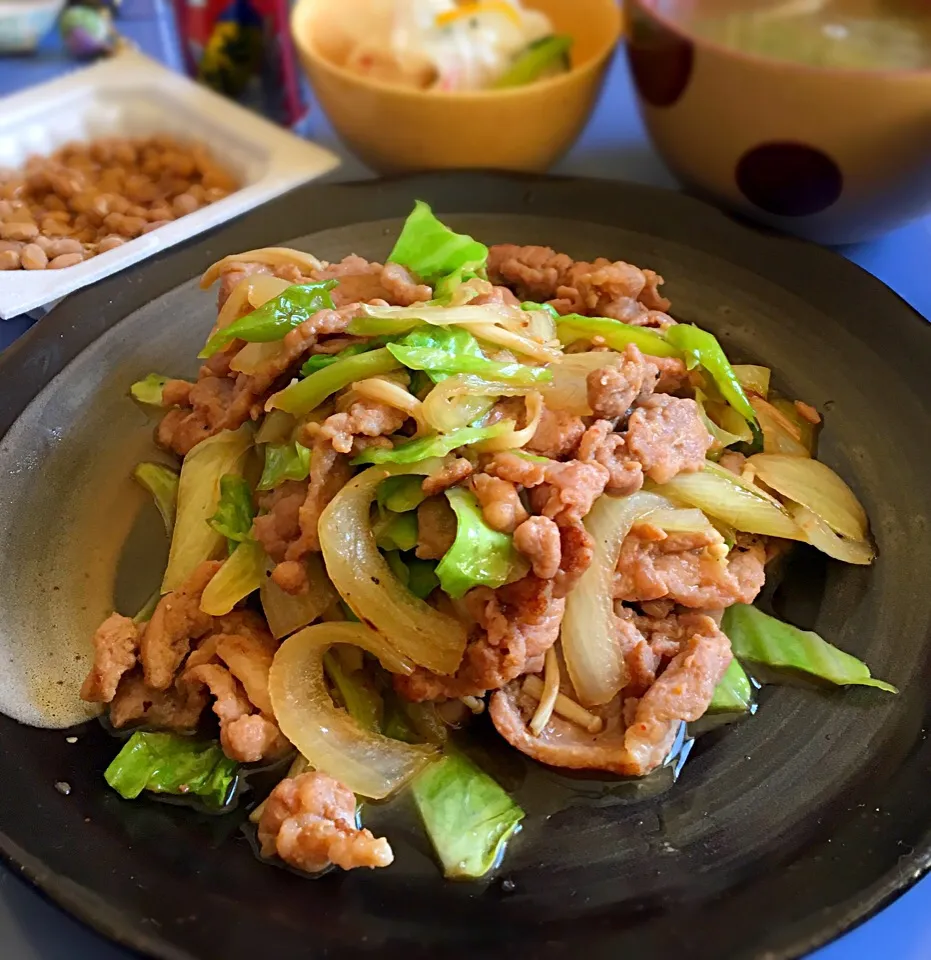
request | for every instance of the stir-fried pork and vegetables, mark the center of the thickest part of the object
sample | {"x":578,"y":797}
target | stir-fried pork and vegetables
{"x":469,"y":480}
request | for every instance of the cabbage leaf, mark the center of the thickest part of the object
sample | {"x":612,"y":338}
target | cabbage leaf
{"x":446,"y":351}
{"x":479,"y":556}
{"x":276,"y":317}
{"x":429,"y":249}
{"x":169,"y":763}
{"x":758,"y":638}
{"x":468,"y":816}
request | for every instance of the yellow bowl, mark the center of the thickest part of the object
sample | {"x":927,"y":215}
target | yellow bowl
{"x":395,"y":129}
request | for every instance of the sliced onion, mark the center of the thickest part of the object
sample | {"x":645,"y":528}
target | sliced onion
{"x":589,"y":632}
{"x":368,"y":763}
{"x":193,"y":539}
{"x":264,"y":287}
{"x":821,"y":536}
{"x":271,"y":256}
{"x":286,"y":612}
{"x":514,"y":341}
{"x":816,"y":486}
{"x":515,"y":439}
{"x":753,"y":379}
{"x":367,"y":584}
{"x":719,"y":493}
{"x":393,"y":395}
{"x":276,"y":427}
{"x":236,"y":306}
{"x":780,"y":434}
{"x":727,"y":418}
{"x":467,"y":314}
{"x":242,"y":573}
{"x":539,"y":325}
{"x":463,"y":399}
{"x":260,"y":288}
{"x":255,"y":355}
{"x":568,"y":390}
{"x":681,"y":520}
{"x":722,"y":438}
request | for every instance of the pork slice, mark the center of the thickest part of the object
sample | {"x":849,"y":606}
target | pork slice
{"x":561,"y":743}
{"x":177,"y":621}
{"x":681,"y":693}
{"x":537,"y":538}
{"x":309,"y":821}
{"x":570,"y":490}
{"x":501,"y":504}
{"x":245,"y":736}
{"x":178,"y":708}
{"x":367,"y":418}
{"x":249,"y":659}
{"x":363,"y":282}
{"x":613,"y":389}
{"x":280,"y":525}
{"x":517,"y":624}
{"x":116,"y":644}
{"x":436,"y":528}
{"x":687,"y":569}
{"x":667,"y":436}
{"x":600,"y":288}
{"x":453,"y":471}
{"x":329,"y":473}
{"x":600,"y":444}
{"x":557,"y":435}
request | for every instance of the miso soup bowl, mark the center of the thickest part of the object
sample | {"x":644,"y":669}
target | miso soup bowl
{"x":837,"y":156}
{"x":395,"y":129}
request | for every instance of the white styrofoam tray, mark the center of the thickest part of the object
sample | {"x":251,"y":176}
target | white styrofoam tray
{"x":133,"y":96}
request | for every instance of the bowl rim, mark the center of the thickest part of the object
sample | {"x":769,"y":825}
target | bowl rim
{"x":648,"y":7}
{"x":301,"y":11}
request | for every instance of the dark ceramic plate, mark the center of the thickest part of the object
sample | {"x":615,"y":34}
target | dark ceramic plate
{"x":781,"y":832}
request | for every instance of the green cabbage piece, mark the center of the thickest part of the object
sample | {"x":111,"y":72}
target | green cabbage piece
{"x":149,"y":390}
{"x":701,"y":348}
{"x":734,"y":692}
{"x":276,"y":318}
{"x":360,"y":698}
{"x":396,"y":531}
{"x":242,"y":573}
{"x":169,"y":763}
{"x":162,"y":482}
{"x":615,"y":334}
{"x":401,"y":494}
{"x":758,"y":638}
{"x":428,"y":248}
{"x":419,"y":576}
{"x":235,"y":510}
{"x":542,"y":307}
{"x":435,"y":446}
{"x":306,"y":395}
{"x":544,"y":57}
{"x":284,"y":461}
{"x":320,"y":360}
{"x":446,"y":351}
{"x":468,"y":816}
{"x":479,"y":556}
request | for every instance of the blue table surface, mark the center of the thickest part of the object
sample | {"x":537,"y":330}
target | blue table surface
{"x":614,"y":145}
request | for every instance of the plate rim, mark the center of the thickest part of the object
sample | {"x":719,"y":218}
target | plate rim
{"x":77,"y":322}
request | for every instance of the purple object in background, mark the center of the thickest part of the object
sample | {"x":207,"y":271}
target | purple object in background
{"x":613,"y":146}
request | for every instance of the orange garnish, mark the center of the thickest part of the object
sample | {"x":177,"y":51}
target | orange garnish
{"x":475,"y":7}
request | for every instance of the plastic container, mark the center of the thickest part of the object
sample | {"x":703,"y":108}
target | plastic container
{"x":23,"y":23}
{"x":133,"y":96}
